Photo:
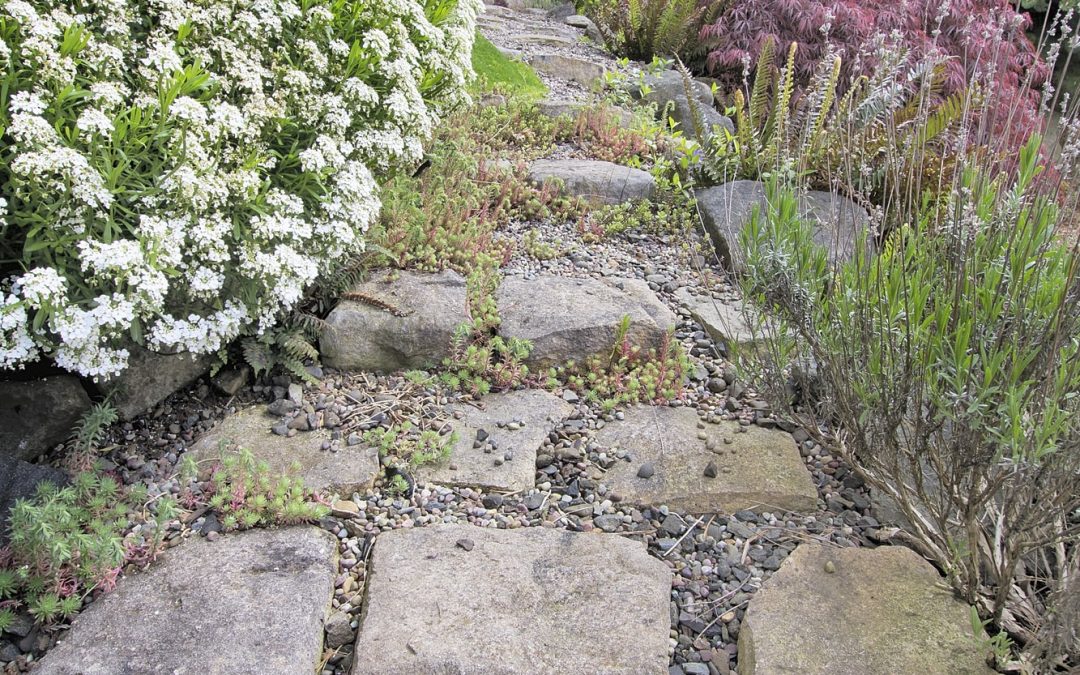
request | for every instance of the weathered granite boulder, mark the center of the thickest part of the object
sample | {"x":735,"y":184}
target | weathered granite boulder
{"x":577,"y":318}
{"x":726,"y":210}
{"x":855,"y":610}
{"x":469,"y":600}
{"x":150,"y":378}
{"x":249,"y":603}
{"x":527,"y":417}
{"x":584,"y":72}
{"x":758,"y":469}
{"x":406,"y":322}
{"x":349,"y":468}
{"x":36,"y":415}
{"x":668,"y":91}
{"x":19,"y":480}
{"x":597,"y":181}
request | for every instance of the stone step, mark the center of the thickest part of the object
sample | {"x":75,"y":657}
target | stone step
{"x":347,"y":469}
{"x":251,"y":603}
{"x":582,"y":71}
{"x":515,"y":423}
{"x":671,"y":457}
{"x":569,"y":318}
{"x":565,"y":318}
{"x":469,"y":600}
{"x":857,"y":610}
{"x":594,"y":180}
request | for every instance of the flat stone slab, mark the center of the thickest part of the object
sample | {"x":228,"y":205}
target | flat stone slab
{"x":351,"y":468}
{"x":533,"y":411}
{"x":594,"y":180}
{"x":757,"y":469}
{"x":551,"y":39}
{"x":723,"y":321}
{"x":883,"y":610}
{"x":577,"y":318}
{"x":585,"y":73}
{"x":249,"y":603}
{"x":468,"y":600}
{"x":406,"y":321}
{"x":726,"y":210}
{"x":36,"y":415}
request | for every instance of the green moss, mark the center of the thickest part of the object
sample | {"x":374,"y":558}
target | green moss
{"x":496,"y":72}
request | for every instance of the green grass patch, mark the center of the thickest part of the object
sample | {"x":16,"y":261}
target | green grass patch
{"x":495,"y":72}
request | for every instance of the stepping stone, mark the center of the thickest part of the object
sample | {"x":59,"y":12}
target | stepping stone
{"x":585,"y":73}
{"x":351,"y":468}
{"x":150,"y":378}
{"x":406,"y":322}
{"x":36,"y":415}
{"x":723,"y":322}
{"x":249,"y":603}
{"x":883,"y":610}
{"x":597,"y":181}
{"x":576,"y":318}
{"x":726,"y":210}
{"x":464,"y":599}
{"x":19,"y":480}
{"x":538,"y":411}
{"x":545,"y":39}
{"x":758,"y":469}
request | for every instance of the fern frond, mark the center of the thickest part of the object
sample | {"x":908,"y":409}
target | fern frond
{"x":782,"y":108}
{"x":827,"y":98}
{"x":296,"y":346}
{"x":763,"y":80}
{"x":944,"y":116}
{"x":258,"y":356}
{"x":744,"y":131}
{"x":698,"y":121}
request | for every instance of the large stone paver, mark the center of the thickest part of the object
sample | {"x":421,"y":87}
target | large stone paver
{"x":758,"y":469}
{"x":250,"y":603}
{"x":535,"y":413}
{"x":409,"y":325}
{"x":349,"y":468}
{"x":850,"y":611}
{"x":726,"y":210}
{"x":595,"y":180}
{"x":530,"y":601}
{"x":575,"y":318}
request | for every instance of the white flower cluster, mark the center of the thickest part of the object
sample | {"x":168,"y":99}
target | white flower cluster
{"x":179,"y":172}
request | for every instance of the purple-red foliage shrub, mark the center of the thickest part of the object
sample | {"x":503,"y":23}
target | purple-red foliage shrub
{"x":984,"y":40}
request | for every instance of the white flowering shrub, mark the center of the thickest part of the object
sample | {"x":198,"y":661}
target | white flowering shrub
{"x":177,"y":172}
